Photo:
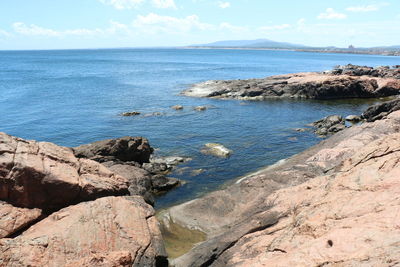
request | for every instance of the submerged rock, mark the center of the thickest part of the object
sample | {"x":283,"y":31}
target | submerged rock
{"x":177,"y":107}
{"x":130,"y":114}
{"x":200,"y":108}
{"x":217,"y":150}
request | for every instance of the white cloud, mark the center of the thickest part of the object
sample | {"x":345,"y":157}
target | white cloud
{"x":4,"y":33}
{"x":164,"y":4}
{"x":123,"y":4}
{"x":34,"y":30}
{"x":330,"y":13}
{"x":232,"y":28}
{"x":367,"y":8}
{"x":224,"y":4}
{"x":154,"y":23}
{"x":275,"y":27}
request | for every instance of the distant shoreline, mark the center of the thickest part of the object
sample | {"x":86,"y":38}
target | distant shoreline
{"x":327,"y":51}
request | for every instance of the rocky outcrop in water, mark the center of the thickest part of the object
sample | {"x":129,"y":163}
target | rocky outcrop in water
{"x":98,"y":224}
{"x":335,"y":203}
{"x":380,"y":111}
{"x":345,"y":82}
{"x":329,"y":125}
{"x":131,"y":157}
{"x":354,"y":70}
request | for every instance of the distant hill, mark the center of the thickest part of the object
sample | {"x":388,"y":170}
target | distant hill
{"x":259,"y":43}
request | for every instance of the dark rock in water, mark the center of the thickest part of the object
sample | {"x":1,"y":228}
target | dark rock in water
{"x":381,"y":110}
{"x":157,"y":167}
{"x":329,"y":125}
{"x":130,"y":114}
{"x":162,"y":184}
{"x":344,"y":82}
{"x":124,"y":149}
{"x":354,"y":70}
{"x":353,"y":118}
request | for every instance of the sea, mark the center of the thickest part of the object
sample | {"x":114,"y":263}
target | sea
{"x":74,"y":97}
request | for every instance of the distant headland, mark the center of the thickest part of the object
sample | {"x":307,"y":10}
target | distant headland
{"x":265,"y":44}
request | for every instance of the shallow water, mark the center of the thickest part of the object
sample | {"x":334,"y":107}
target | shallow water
{"x":74,"y":97}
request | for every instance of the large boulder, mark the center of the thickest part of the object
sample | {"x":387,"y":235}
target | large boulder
{"x":125,"y":149}
{"x":111,"y":231}
{"x":46,"y":176}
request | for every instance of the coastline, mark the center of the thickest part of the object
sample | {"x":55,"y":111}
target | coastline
{"x":326,"y":51}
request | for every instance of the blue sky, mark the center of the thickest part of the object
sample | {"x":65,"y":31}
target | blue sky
{"x":50,"y":24}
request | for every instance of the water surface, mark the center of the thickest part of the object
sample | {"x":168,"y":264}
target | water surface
{"x":72,"y":97}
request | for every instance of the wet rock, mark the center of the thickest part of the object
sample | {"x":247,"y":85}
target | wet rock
{"x":300,"y":129}
{"x":177,"y":107}
{"x":113,"y":230}
{"x":46,"y":176}
{"x":162,"y":184}
{"x":329,"y":125}
{"x":200,"y":108}
{"x":157,"y":168}
{"x":170,"y":161}
{"x":130,"y":114}
{"x":349,"y":82}
{"x":217,"y":150}
{"x":380,"y":111}
{"x":123,"y":149}
{"x":353,"y":118}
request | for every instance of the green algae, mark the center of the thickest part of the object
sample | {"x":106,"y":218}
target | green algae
{"x":178,"y":239}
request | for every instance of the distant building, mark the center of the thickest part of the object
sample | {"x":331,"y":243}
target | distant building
{"x":351,"y":47}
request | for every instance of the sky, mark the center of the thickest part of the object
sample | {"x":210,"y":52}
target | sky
{"x":69,"y":24}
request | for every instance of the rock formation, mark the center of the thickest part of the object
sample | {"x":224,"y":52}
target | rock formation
{"x":111,"y":231}
{"x":379,"y":111}
{"x":329,"y":125}
{"x":131,"y":157}
{"x":335,"y":204}
{"x":98,"y":224}
{"x":346,"y":82}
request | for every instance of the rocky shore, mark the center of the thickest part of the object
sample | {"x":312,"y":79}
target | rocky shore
{"x":348,"y":81}
{"x":335,"y":204}
{"x":83,"y":206}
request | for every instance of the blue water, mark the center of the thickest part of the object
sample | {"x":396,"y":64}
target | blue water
{"x":74,"y":97}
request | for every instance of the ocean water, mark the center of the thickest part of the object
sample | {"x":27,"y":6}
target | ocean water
{"x":73,"y":97}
